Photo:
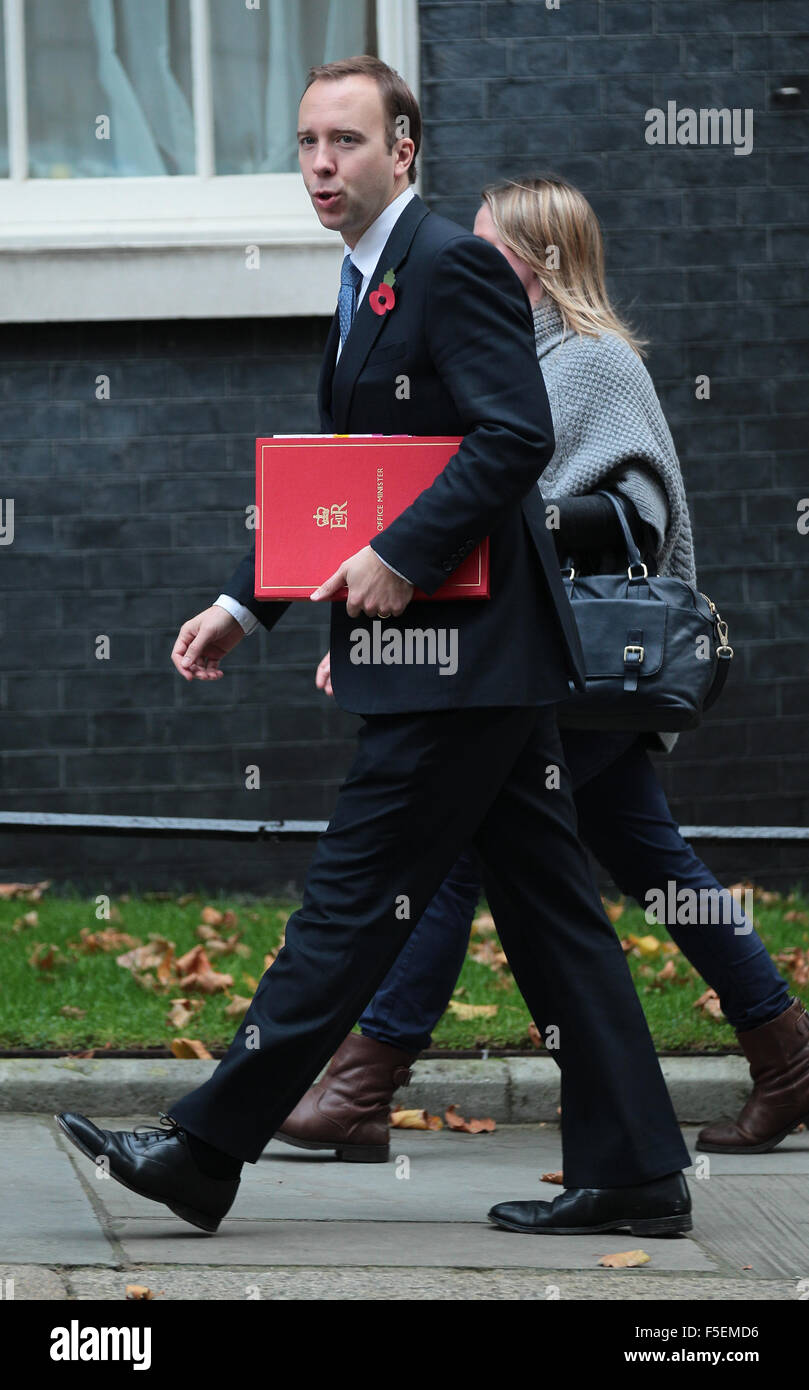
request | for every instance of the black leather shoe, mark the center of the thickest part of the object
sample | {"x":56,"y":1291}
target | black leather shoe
{"x":155,"y":1162}
{"x":659,"y":1208}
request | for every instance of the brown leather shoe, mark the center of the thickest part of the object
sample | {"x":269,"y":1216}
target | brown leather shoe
{"x":349,"y":1108}
{"x":778,"y":1053}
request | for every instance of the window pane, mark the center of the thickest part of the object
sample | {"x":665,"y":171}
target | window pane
{"x":3,"y":115}
{"x":260,"y":59}
{"x":109,"y":88}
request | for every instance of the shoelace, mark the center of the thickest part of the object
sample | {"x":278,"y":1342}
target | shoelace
{"x":162,"y":1131}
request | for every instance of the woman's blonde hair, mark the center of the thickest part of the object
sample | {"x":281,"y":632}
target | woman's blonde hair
{"x":536,"y":217}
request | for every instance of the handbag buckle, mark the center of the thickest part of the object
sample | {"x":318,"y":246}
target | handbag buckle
{"x":638,"y":659}
{"x":638,"y":565}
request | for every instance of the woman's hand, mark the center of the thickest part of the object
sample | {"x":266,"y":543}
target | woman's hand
{"x":323,"y":675}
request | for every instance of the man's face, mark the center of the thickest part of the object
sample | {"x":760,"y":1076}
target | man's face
{"x":342,"y":151}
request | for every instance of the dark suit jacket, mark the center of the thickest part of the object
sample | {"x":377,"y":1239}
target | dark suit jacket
{"x":461,"y":332}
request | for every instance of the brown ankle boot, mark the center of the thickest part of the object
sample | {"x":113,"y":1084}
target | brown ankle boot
{"x":349,"y":1108}
{"x":778,"y":1053}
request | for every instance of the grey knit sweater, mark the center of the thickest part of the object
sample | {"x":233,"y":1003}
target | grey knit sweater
{"x":611,"y":432}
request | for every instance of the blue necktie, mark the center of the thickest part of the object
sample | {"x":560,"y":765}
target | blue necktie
{"x":350,"y":280}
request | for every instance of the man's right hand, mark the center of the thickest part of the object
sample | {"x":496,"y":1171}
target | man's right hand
{"x":203,"y":641}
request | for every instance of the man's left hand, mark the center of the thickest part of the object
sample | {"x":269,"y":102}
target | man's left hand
{"x":373,"y":589}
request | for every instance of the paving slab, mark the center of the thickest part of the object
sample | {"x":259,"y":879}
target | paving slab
{"x":46,"y":1213}
{"x":426,"y":1207}
{"x":761,"y":1222}
{"x":438,"y":1245}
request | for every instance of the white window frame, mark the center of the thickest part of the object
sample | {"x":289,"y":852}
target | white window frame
{"x":170,"y":246}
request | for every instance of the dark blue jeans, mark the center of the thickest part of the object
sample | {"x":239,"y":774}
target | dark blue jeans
{"x":625,"y":821}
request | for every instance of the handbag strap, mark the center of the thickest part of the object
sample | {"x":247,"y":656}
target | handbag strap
{"x":632,"y":552}
{"x":634,"y":560}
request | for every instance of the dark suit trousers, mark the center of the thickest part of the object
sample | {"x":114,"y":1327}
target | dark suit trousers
{"x":422,"y":786}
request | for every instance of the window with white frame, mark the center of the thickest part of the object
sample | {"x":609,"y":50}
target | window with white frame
{"x":169,"y":123}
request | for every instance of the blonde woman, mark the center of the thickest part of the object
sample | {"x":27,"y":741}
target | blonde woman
{"x":610,"y":435}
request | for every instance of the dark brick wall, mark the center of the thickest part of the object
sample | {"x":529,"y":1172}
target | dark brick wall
{"x":129,"y":512}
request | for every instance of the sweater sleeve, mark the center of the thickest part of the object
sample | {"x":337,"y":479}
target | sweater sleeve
{"x":589,"y":524}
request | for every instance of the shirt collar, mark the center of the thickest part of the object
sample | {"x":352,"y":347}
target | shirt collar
{"x":369,"y":248}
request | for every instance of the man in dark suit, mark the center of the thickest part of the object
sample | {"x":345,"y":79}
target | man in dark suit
{"x":443,"y":759}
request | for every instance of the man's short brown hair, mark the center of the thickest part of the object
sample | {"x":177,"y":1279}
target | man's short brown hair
{"x":397,"y":98}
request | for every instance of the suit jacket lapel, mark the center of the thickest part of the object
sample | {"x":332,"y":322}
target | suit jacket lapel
{"x":336,"y":386}
{"x":326,"y":375}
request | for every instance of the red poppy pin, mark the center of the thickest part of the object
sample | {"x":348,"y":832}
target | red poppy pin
{"x":382,"y":299}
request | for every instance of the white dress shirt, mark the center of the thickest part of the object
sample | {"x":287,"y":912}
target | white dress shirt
{"x":365,"y":255}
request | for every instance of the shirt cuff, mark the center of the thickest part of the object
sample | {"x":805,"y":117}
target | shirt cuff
{"x":390,"y":567}
{"x":237,"y":610}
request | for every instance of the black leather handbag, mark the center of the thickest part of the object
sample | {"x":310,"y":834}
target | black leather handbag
{"x":655,"y":648}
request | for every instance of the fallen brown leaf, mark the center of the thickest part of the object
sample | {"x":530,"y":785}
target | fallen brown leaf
{"x":535,"y":1035}
{"x":146,"y":957}
{"x":70,"y":1011}
{"x":669,"y":972}
{"x":196,"y":973}
{"x":625,"y":1259}
{"x":138,"y":1291}
{"x":553,"y":1177}
{"x":613,"y":910}
{"x":45,"y":957}
{"x":219,"y":946}
{"x":212,"y":916}
{"x":710,"y":1004}
{"x":483,"y":925}
{"x":164,"y":969}
{"x":238,"y":1006}
{"x":456,"y":1121}
{"x":486,"y":953}
{"x":28,"y":919}
{"x":107,"y":940}
{"x":414,"y":1119}
{"x":472,"y":1010}
{"x":32,"y":891}
{"x":796,"y":961}
{"x":645,"y":945}
{"x":182,"y":1011}
{"x":190,"y":1047}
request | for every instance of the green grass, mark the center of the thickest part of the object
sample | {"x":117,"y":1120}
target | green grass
{"x":121,"y":1014}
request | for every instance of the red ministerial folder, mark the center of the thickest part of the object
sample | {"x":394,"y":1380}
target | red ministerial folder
{"x":321,"y":498}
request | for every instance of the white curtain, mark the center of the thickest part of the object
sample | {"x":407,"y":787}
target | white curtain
{"x":151,"y":124}
{"x":260,"y":58}
{"x":302,"y":34}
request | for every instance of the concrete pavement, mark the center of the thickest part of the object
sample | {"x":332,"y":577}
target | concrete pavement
{"x":307,"y":1227}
